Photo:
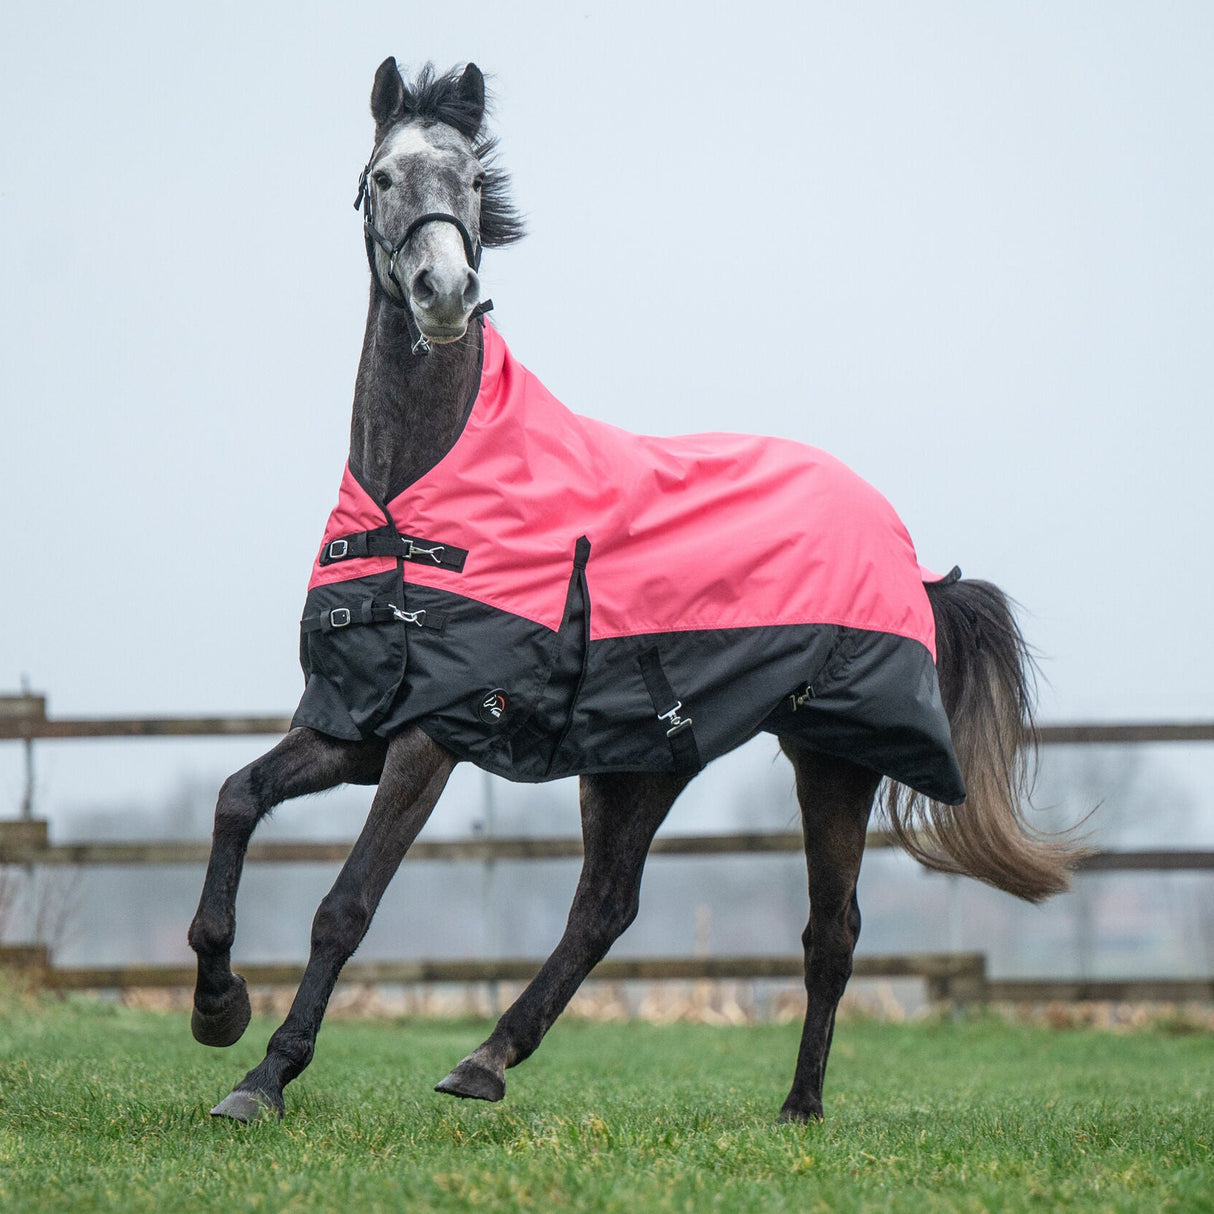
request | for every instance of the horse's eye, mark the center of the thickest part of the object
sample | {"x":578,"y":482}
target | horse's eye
{"x":381,"y":179}
{"x":478,"y":182}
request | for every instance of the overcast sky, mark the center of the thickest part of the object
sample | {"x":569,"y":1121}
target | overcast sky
{"x":967,"y":248}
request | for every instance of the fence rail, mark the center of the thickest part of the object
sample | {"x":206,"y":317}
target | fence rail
{"x":948,"y":969}
{"x":958,"y":978}
{"x":27,"y":842}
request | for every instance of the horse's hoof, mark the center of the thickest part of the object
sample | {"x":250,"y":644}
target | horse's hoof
{"x":247,"y":1106}
{"x":473,"y":1081}
{"x":791,"y":1116}
{"x":227,"y":1023}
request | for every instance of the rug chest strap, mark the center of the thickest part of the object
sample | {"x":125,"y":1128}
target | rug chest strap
{"x":668,"y":707}
{"x":371,"y":611}
{"x":386,"y":541}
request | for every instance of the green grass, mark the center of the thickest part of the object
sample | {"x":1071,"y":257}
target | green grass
{"x":106,"y":1108}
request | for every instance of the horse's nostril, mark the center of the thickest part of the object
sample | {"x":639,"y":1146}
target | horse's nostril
{"x":423,"y":288}
{"x":472,"y":290}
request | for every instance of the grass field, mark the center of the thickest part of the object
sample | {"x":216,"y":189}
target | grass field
{"x":106,"y":1108}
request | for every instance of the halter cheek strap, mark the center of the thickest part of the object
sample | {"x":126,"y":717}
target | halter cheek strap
{"x":400,"y":296}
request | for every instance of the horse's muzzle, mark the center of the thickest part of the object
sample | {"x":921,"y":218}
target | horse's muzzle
{"x":442,"y":298}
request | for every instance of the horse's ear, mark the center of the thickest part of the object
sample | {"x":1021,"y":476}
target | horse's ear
{"x":387,"y":94}
{"x":472,"y":93}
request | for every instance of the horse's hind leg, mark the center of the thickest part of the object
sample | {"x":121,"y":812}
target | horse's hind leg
{"x":836,"y":797}
{"x":620,"y":816}
{"x":303,"y":762}
{"x":414,"y":774}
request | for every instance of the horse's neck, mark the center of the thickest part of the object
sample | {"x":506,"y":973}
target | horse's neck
{"x":408,"y":409}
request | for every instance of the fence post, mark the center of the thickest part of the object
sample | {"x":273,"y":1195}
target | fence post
{"x":23,"y":711}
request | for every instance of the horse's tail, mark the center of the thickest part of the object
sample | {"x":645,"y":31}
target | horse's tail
{"x":986,"y":673}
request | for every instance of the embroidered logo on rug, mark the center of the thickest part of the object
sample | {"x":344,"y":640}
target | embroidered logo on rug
{"x":492,"y":707}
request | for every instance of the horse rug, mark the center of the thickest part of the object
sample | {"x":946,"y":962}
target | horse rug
{"x":557,"y":596}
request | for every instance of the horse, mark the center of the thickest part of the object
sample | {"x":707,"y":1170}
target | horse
{"x":936,"y":694}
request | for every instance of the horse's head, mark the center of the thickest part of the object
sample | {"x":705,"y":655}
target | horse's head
{"x":432,"y":197}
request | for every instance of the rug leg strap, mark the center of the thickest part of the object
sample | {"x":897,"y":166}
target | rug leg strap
{"x":669,"y":708}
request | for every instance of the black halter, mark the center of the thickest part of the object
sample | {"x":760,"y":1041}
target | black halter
{"x":372,"y":235}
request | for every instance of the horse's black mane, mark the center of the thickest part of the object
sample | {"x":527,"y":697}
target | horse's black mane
{"x":435,"y":97}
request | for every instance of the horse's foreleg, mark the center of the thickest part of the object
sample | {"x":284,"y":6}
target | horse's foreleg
{"x":303,"y":762}
{"x":414,"y":774}
{"x":836,"y":798}
{"x":620,"y":815}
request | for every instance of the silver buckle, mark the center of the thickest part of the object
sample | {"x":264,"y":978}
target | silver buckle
{"x":409,"y":617}
{"x":338,"y":549}
{"x":676,"y":722}
{"x":339,"y":617}
{"x":414,"y":549}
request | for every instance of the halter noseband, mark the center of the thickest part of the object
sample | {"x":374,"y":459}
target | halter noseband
{"x":419,"y":344}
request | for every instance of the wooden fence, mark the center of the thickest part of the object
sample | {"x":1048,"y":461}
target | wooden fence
{"x":960,"y":977}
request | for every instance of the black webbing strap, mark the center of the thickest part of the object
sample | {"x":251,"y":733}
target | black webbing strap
{"x":668,"y":707}
{"x":578,"y":589}
{"x":371,"y":611}
{"x":387,"y":541}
